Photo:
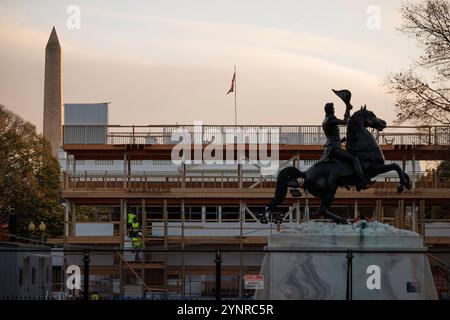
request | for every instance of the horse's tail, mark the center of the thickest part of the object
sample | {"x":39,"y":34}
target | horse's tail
{"x":284,"y":176}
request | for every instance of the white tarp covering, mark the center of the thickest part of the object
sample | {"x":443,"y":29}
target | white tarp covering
{"x":94,"y":229}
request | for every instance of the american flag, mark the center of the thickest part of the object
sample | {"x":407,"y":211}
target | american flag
{"x":232,"y":83}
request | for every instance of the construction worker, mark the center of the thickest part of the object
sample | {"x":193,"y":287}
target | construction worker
{"x":137,"y":244}
{"x":135,"y":227}
{"x":130,"y":219}
{"x":95,"y":296}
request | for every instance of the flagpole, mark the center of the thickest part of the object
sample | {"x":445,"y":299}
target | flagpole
{"x":235,"y":104}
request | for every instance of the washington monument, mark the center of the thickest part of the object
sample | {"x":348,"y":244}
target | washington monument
{"x":53,"y":93}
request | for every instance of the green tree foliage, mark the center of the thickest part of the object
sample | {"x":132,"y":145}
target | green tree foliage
{"x":29,"y":176}
{"x":442,"y":175}
{"x":443,"y":170}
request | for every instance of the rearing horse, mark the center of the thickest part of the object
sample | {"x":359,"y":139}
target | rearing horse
{"x":323,"y":180}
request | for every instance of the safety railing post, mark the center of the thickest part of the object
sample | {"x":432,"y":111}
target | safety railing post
{"x":429,"y":135}
{"x":436,"y":140}
{"x":86,"y":261}
{"x":349,"y":291}
{"x":218,"y":262}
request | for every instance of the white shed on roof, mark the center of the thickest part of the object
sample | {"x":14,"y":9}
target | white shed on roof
{"x":86,"y":114}
{"x":85,"y":123}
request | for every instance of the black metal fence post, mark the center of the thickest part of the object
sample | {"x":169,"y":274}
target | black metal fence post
{"x":349,"y":291}
{"x":86,"y":275}
{"x":218,"y":262}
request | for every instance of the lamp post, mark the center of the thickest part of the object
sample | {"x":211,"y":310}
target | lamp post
{"x":12,"y":224}
{"x":42,"y":228}
{"x":31,"y":229}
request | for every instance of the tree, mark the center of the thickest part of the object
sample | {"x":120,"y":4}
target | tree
{"x":29,"y":176}
{"x":423,"y":92}
{"x":440,"y":175}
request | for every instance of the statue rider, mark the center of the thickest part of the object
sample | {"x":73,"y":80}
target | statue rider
{"x":332,"y":148}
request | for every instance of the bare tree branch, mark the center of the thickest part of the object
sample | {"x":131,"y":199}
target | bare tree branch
{"x":418,"y":100}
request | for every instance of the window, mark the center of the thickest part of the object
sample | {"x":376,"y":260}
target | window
{"x":33,"y":275}
{"x":78,"y":162}
{"x":174,"y":213}
{"x":194,"y":213}
{"x":212,"y":214}
{"x":154,"y":213}
{"x":57,"y":275}
{"x":162,"y":162}
{"x":115,"y":213}
{"x":103,"y":214}
{"x":104,"y":162}
{"x":98,"y":213}
{"x":20,"y":277}
{"x":230,"y":213}
{"x":136,"y":162}
{"x":86,"y":213}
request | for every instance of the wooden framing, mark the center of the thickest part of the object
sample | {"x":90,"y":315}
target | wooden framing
{"x":305,"y":152}
{"x":128,"y":191}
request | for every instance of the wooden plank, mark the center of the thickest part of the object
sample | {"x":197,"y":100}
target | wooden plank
{"x":59,"y":240}
{"x":93,"y":240}
{"x":122,"y":230}
{"x":437,"y":240}
{"x":211,"y":270}
{"x":141,"y":278}
{"x":306,"y":152}
{"x":224,"y":195}
{"x":218,"y":240}
{"x":139,"y":265}
{"x":144,"y":219}
{"x":166,"y":222}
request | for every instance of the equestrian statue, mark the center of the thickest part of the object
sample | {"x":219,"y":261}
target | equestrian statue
{"x":361,"y":160}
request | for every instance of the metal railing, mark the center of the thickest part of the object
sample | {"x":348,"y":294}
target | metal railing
{"x":423,"y":180}
{"x":283,"y":134}
{"x":217,"y":258}
{"x":153,"y":182}
{"x":161,"y":182}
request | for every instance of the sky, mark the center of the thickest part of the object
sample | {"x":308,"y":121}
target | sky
{"x":167,"y":62}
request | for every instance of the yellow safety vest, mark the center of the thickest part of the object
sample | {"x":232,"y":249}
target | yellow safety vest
{"x":136,"y":243}
{"x":95,"y":297}
{"x":131,"y":217}
{"x":135,"y":226}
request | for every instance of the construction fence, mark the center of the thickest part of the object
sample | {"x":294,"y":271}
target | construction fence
{"x":185,"y":274}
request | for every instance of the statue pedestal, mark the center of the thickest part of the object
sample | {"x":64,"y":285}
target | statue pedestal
{"x":315,"y":276}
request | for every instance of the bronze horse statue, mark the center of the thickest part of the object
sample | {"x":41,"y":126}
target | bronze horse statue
{"x":323,"y":179}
